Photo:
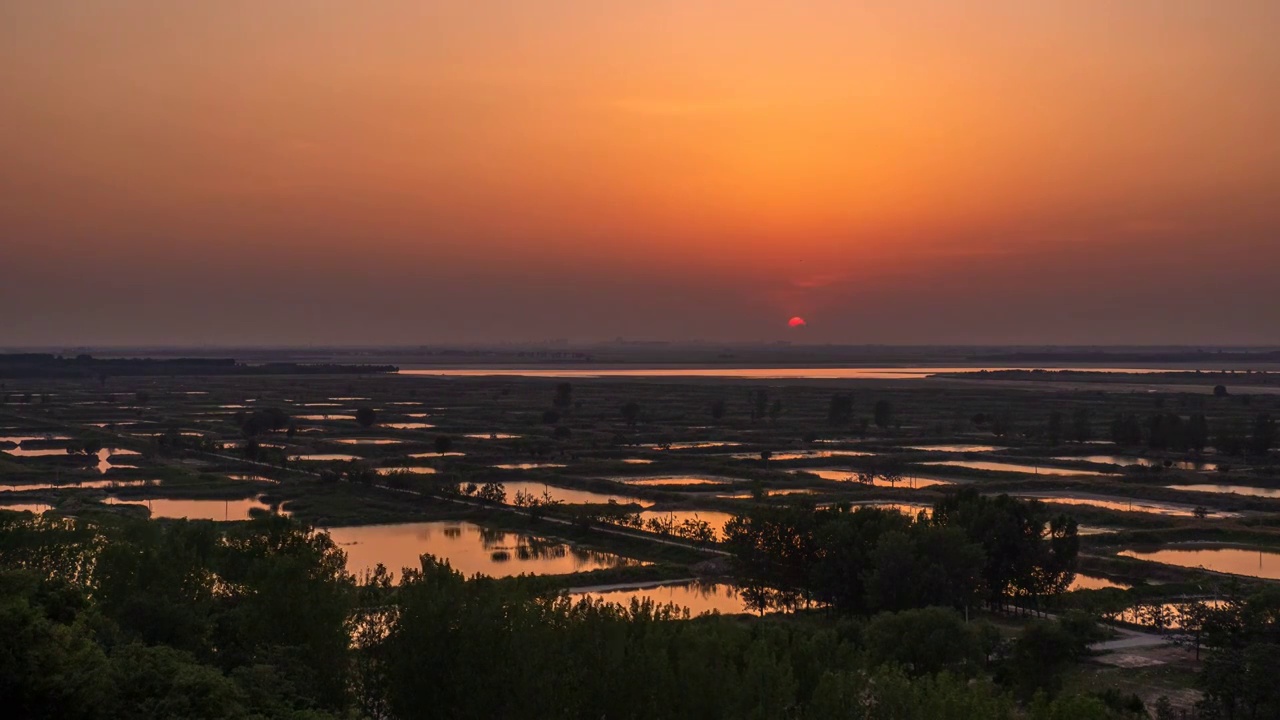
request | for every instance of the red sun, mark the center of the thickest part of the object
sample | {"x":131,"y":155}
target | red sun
{"x":796,"y":322}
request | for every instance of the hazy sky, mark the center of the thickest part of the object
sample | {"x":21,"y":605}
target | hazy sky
{"x":328,"y":171}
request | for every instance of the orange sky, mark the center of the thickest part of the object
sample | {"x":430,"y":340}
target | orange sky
{"x":416,"y":171}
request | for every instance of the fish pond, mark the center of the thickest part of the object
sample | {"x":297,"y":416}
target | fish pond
{"x":469,"y":549}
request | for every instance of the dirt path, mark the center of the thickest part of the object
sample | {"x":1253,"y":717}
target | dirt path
{"x":1131,"y":639}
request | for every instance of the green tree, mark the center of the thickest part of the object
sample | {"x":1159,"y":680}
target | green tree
{"x":924,"y":642}
{"x":1028,"y":551}
{"x":155,"y":581}
{"x":161,"y":682}
{"x":50,"y":666}
{"x":1039,"y":657}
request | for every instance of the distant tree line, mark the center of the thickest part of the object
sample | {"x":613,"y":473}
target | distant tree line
{"x":43,"y":365}
{"x":1171,"y":431}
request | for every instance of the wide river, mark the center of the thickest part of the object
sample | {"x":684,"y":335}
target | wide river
{"x":750,"y":373}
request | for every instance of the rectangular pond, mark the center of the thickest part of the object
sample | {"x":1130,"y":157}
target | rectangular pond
{"x":1135,"y":461}
{"x":468,"y":547}
{"x":86,"y":484}
{"x":1090,"y":582}
{"x":569,"y":496}
{"x":37,"y":508}
{"x":958,"y":448}
{"x":664,"y":480}
{"x":802,"y":454}
{"x":528,"y":466}
{"x":36,"y":452}
{"x":1229,"y":490}
{"x":219,"y":510}
{"x":19,"y":439}
{"x":691,"y":445}
{"x":715,"y":518}
{"x":1234,"y":561}
{"x":849,"y":476}
{"x":698,"y":597}
{"x":1125,"y":505}
{"x":408,"y":470}
{"x":1005,"y":467}
{"x":768,"y":492}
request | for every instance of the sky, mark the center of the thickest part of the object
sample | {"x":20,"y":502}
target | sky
{"x":407,"y":171}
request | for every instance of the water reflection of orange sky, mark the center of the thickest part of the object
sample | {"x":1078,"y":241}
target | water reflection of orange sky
{"x":220,"y":510}
{"x":1089,"y":582}
{"x":1237,"y":561}
{"x":469,"y":548}
{"x":699,"y":598}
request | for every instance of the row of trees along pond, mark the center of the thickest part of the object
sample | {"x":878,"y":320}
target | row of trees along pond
{"x":972,"y":549}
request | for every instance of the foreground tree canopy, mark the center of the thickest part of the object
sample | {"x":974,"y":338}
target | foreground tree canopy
{"x":116,"y":618}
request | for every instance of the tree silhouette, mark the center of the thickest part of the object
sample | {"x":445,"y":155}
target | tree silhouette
{"x":564,"y":396}
{"x":631,"y":413}
{"x":1081,"y":425}
{"x":1264,"y":434}
{"x":1054,"y":429}
{"x":840,"y":409}
{"x":883,"y":413}
{"x":717,"y":409}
